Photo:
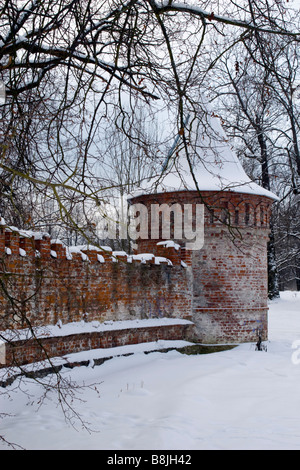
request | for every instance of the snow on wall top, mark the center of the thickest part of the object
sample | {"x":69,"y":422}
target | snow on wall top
{"x":82,"y":327}
{"x":204,"y":148}
{"x":104,"y":253}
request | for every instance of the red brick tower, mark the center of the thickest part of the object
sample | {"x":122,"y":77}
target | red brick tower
{"x":228,"y":274}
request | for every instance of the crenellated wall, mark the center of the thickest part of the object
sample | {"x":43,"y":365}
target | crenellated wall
{"x":46,"y":282}
{"x":220,"y":288}
{"x":229,"y":273}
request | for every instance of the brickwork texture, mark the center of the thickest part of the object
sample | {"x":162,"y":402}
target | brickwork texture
{"x":221,"y":288}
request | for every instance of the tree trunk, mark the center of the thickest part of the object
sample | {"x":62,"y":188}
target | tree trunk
{"x":273,"y":279}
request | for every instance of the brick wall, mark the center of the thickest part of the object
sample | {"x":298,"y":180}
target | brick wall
{"x":49,"y":284}
{"x":229,"y":274}
{"x":221,"y":288}
{"x":26,"y":351}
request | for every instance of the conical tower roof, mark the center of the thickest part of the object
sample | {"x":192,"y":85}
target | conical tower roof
{"x":202,"y":158}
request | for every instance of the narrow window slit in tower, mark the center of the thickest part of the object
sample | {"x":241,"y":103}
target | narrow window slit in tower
{"x":236,"y":217}
{"x":261,"y":216}
{"x":247,"y":214}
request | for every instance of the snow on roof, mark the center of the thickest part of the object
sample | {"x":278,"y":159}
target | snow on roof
{"x":215,"y":166}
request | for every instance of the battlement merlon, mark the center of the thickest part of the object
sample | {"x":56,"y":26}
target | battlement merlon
{"x":16,"y":242}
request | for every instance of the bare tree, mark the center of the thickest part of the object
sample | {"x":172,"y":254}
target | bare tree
{"x":73,"y":70}
{"x":70,"y":67}
{"x":257,"y":87}
{"x":252,"y":116}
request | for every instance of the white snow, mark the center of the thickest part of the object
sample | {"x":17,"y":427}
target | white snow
{"x":56,"y":241}
{"x":213,"y":160}
{"x":22,"y":252}
{"x":116,"y":254}
{"x":119,"y":253}
{"x":100,"y":258}
{"x":74,"y":328}
{"x":162,"y":259}
{"x":236,"y":399}
{"x":81,"y":248}
{"x":2,"y":351}
{"x":144,"y":257}
{"x":169,"y":244}
{"x":75,"y":249}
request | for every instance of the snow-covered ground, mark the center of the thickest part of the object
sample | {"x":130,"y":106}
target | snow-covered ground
{"x":237,"y":399}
